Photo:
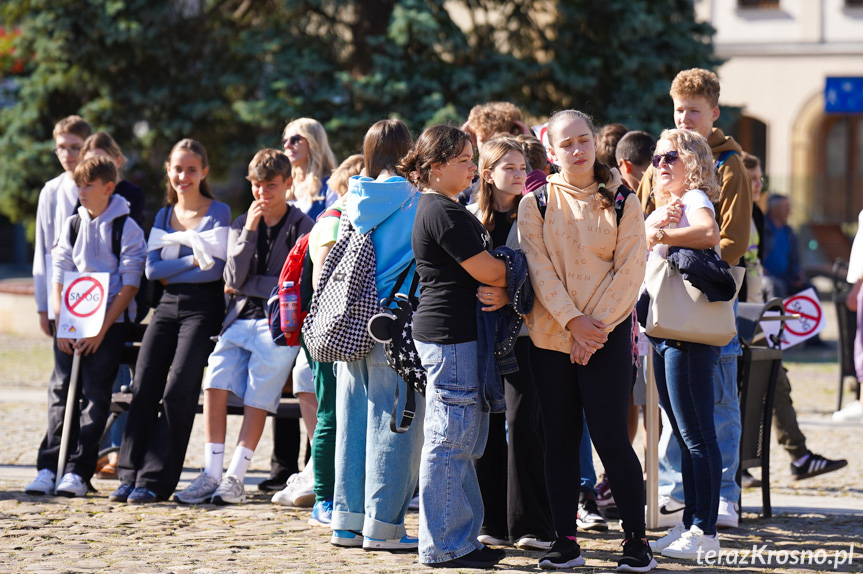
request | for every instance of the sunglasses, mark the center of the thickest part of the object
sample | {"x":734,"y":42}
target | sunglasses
{"x":669,"y":157}
{"x":293,"y":140}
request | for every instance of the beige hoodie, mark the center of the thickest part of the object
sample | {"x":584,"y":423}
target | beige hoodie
{"x":579,"y":262}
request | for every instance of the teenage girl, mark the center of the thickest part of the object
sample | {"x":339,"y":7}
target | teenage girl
{"x":586,"y":271}
{"x":177,"y":342}
{"x":451,"y":250}
{"x":510,"y":472}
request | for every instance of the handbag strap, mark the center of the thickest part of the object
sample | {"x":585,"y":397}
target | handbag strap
{"x":409,"y":412}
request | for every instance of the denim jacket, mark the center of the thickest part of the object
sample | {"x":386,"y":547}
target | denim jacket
{"x":497,"y":330}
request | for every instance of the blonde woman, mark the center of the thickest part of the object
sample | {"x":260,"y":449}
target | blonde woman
{"x":686,"y":188}
{"x":312,"y":161}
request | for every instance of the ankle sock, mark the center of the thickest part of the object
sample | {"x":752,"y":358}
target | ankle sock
{"x":240,"y":462}
{"x":214,"y":457}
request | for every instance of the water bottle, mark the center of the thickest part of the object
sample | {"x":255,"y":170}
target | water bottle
{"x":289,"y":308}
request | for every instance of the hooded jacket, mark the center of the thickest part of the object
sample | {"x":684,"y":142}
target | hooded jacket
{"x":388,"y":209}
{"x":57,"y":202}
{"x":92,"y":252}
{"x":734,"y":208}
{"x":580,"y":261}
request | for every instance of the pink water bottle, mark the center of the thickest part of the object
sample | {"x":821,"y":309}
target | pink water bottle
{"x":289,"y":308}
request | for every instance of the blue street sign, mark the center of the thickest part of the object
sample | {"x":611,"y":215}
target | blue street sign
{"x":843,"y":95}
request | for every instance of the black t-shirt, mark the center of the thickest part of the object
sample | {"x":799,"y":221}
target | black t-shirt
{"x":255,"y":306}
{"x":445,"y":234}
{"x":502,"y":225}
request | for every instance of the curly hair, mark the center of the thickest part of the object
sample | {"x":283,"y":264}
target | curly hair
{"x":490,"y":155}
{"x":493,"y":117}
{"x":601,"y":171}
{"x":699,"y":169}
{"x":696,"y":82}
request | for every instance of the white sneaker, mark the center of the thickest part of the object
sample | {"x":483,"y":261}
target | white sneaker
{"x":43,"y":484}
{"x":489,"y":540}
{"x":670,"y":512}
{"x":71,"y":485}
{"x":671,"y":536}
{"x":298,"y":491}
{"x":852,"y":413}
{"x":692,"y":545}
{"x":229,"y":491}
{"x":729,"y":514}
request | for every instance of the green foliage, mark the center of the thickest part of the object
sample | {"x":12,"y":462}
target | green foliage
{"x":231,"y":73}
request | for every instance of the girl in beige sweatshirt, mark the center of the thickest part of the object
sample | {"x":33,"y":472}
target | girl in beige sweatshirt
{"x":586,"y":270}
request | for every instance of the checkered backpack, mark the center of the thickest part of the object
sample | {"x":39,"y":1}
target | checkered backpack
{"x":336,"y":328}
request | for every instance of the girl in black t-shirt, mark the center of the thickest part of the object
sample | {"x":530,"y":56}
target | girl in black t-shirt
{"x":510,"y":472}
{"x":451,"y":250}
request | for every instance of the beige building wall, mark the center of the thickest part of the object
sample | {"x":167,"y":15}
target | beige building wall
{"x":777,"y":62}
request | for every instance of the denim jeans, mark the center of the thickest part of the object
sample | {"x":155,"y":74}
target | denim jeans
{"x":684,"y":375}
{"x":585,"y":456}
{"x":726,"y":417}
{"x":451,"y":509}
{"x":376,"y":469}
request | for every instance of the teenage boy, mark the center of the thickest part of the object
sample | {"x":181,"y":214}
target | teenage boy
{"x":57,"y":201}
{"x":246,"y":361}
{"x":695,"y":94}
{"x":632,"y":156}
{"x":86,"y":244}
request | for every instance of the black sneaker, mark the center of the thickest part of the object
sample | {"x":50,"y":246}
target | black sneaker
{"x":588,"y":517}
{"x":815,"y":465}
{"x":272,"y":484}
{"x":475,"y":559}
{"x":498,"y":553}
{"x":637,"y":556}
{"x":564,"y":553}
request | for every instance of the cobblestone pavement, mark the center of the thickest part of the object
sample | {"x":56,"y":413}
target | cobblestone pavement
{"x":47,"y":534}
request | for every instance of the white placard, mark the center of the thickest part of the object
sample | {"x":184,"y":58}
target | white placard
{"x":811,"y":322}
{"x":82,"y":305}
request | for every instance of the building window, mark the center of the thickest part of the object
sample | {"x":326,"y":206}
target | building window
{"x":839,"y":176}
{"x":769,"y":4}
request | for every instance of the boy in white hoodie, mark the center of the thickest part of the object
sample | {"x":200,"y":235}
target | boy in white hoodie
{"x":86,"y":244}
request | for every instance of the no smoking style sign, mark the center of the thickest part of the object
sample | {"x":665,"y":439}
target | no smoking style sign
{"x":811,"y":321}
{"x":83,"y":305}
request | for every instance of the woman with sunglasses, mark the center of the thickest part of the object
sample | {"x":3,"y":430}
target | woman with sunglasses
{"x":685,"y":190}
{"x":586,"y":265}
{"x":312,"y":162}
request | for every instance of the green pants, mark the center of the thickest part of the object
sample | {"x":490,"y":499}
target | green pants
{"x":324,"y":441}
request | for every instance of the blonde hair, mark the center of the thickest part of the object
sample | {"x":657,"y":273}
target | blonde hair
{"x":697,"y":157}
{"x":321,"y":162}
{"x":75,"y":125}
{"x":489,"y":156}
{"x":352,"y":166}
{"x":696,"y":82}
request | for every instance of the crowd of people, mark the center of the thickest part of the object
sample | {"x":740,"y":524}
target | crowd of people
{"x":527,"y":267}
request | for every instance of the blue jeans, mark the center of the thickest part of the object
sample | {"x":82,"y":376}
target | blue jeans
{"x":684,"y":374}
{"x":726,"y":418}
{"x":585,"y":455}
{"x":451,"y":509}
{"x":376,"y":469}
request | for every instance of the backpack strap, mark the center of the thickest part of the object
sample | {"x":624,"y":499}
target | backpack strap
{"x":620,"y":201}
{"x":330,"y":212}
{"x":117,"y":226}
{"x":409,"y":412}
{"x":540,"y":194}
{"x":722,"y":157}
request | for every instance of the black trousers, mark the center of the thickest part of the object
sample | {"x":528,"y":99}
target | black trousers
{"x":286,"y":447}
{"x":167,"y":385}
{"x":95,"y":379}
{"x":599,"y":392}
{"x":510,"y":472}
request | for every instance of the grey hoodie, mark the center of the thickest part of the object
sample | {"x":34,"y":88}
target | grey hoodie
{"x":57,"y":201}
{"x":92,"y":251}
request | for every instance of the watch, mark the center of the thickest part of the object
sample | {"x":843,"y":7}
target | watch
{"x":660,"y":235}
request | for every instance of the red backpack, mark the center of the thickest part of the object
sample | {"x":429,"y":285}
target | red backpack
{"x":295,"y":270}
